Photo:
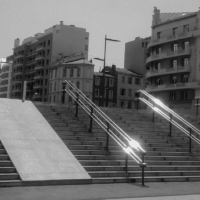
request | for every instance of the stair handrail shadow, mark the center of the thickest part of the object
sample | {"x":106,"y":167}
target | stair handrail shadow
{"x":171,"y":117}
{"x":131,"y":147}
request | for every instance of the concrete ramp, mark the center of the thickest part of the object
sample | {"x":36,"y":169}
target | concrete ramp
{"x":33,"y":146}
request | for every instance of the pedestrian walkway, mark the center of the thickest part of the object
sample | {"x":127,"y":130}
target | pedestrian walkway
{"x":124,"y":191}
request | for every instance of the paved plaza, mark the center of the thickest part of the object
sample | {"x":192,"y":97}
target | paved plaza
{"x":125,"y":191}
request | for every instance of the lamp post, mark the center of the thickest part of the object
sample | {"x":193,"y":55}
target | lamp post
{"x":104,"y":63}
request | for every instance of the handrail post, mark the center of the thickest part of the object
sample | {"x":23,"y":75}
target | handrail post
{"x":91,"y":119}
{"x":190,"y":140}
{"x":126,"y":163}
{"x":137,"y":95}
{"x":170,"y":125}
{"x":143,"y":165}
{"x":63,"y":91}
{"x":77,"y":99}
{"x":107,"y":139}
{"x":153,"y":118}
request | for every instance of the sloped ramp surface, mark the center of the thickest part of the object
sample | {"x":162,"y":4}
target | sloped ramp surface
{"x":34,"y":148}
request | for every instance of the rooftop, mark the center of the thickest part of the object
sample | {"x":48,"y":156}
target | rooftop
{"x":125,"y":71}
{"x":101,"y":74}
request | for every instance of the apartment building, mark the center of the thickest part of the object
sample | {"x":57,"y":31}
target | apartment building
{"x":174,"y":63}
{"x":79,"y":71}
{"x":32,"y":58}
{"x":6,"y":72}
{"x":104,"y":89}
{"x":135,"y":56}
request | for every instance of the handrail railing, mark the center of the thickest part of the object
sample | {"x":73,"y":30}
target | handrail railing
{"x":108,"y":125}
{"x":170,"y":116}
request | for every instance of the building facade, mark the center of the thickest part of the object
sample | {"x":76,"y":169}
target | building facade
{"x":127,"y":83}
{"x":6,"y":72}
{"x":32,"y":59}
{"x":79,"y":72}
{"x":174,"y":63}
{"x":104,"y":89}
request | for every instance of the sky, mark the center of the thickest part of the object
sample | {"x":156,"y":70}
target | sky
{"x":123,"y":20}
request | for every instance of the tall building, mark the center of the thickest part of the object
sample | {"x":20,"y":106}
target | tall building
{"x":6,"y":72}
{"x":32,"y":59}
{"x":174,"y":63}
{"x":79,"y":72}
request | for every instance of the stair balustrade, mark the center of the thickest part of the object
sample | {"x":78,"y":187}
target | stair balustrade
{"x":131,"y":147}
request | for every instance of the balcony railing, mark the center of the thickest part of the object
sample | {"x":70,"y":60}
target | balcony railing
{"x":39,"y":48}
{"x":30,"y":62}
{"x":38,"y":67}
{"x":17,"y":73}
{"x":39,"y":57}
{"x":37,"y":86}
{"x":169,"y":54}
{"x":38,"y":76}
{"x":19,"y":56}
{"x":168,"y":71}
{"x":18,"y":64}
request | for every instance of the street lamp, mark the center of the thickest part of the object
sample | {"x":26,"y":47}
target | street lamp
{"x":104,"y":63}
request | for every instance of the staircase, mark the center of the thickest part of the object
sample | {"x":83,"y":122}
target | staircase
{"x":167,"y":157}
{"x":8,"y":173}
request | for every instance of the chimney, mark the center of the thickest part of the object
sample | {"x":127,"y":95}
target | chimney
{"x":156,"y":17}
{"x":61,"y":23}
{"x":16,"y":42}
{"x":114,"y":67}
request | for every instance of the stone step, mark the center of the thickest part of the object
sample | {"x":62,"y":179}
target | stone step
{"x":7,"y":170}
{"x":5,"y":163}
{"x":9,"y":176}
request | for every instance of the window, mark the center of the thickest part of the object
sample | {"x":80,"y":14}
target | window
{"x":137,"y":81}
{"x":158,"y":50}
{"x":123,"y":92}
{"x":97,"y":80}
{"x":123,"y":79}
{"x":122,"y":103}
{"x":47,"y":61}
{"x":51,"y":74}
{"x":174,"y":31}
{"x":46,"y":81}
{"x":172,"y":96}
{"x":129,"y":80}
{"x":78,"y":84}
{"x":184,"y":78}
{"x":111,"y":82}
{"x":174,"y":63}
{"x":105,"y":81}
{"x":64,"y":72}
{"x":49,"y":42}
{"x":78,"y":71}
{"x":129,"y":105}
{"x":183,"y":95}
{"x":158,"y":35}
{"x":55,"y":86}
{"x":46,"y":71}
{"x":186,"y":28}
{"x":130,"y":92}
{"x":71,"y":72}
{"x":96,"y":94}
{"x":175,"y":47}
{"x":185,"y":62}
{"x":110,"y":94}
{"x":104,"y":94}
{"x":48,"y":52}
{"x":186,"y":45}
{"x":50,"y":98}
{"x":173,"y":79}
{"x":55,"y":73}
{"x":54,"y":99}
{"x":86,"y":47}
{"x":157,"y":81}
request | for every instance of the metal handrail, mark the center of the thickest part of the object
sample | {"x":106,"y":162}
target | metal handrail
{"x":127,"y":146}
{"x":169,"y":118}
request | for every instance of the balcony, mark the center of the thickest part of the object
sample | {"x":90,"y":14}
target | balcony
{"x":16,"y":90}
{"x":39,"y":57}
{"x":39,"y":48}
{"x":18,"y":73}
{"x":19,"y":56}
{"x":38,"y":76}
{"x":31,"y":54}
{"x":30,"y":71}
{"x":17,"y":81}
{"x":18,"y":64}
{"x":37,"y":86}
{"x":167,"y":71}
{"x":169,"y":54}
{"x":30,"y":62}
{"x":30,"y":80}
{"x":37,"y":67}
{"x":170,"y":39}
{"x":177,"y":86}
